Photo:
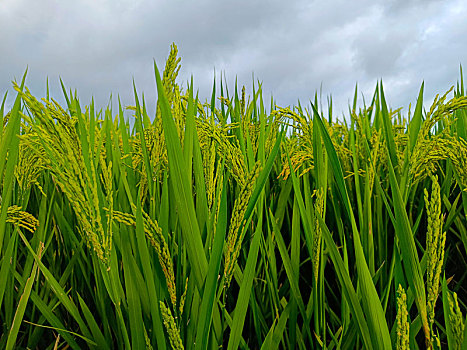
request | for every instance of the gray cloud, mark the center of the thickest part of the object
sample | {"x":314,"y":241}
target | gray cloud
{"x":294,"y":48}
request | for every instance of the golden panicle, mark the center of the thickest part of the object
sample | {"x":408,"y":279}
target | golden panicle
{"x":440,"y":110}
{"x":178,"y":113}
{"x":154,"y":135}
{"x":55,"y":140}
{"x":235,"y":162}
{"x":455,"y":316}
{"x":458,"y":156}
{"x":271,"y":136}
{"x":402,"y":342}
{"x":157,"y":151}
{"x":209,"y":168}
{"x":220,"y":188}
{"x":435,"y":240}
{"x":169,"y":76}
{"x":183,"y":297}
{"x":155,"y":237}
{"x":171,"y":327}
{"x":426,"y":155}
{"x":157,"y":240}
{"x":6,"y":117}
{"x":401,"y":140}
{"x":298,"y":148}
{"x":225,"y":101}
{"x":107,"y":180}
{"x":376,"y":157}
{"x":124,"y":218}
{"x":209,"y":133}
{"x":236,"y":227}
{"x":172,"y":67}
{"x":319,"y":211}
{"x":430,"y":149}
{"x":21,"y":218}
{"x":29,"y":166}
{"x":243,"y":103}
{"x":147,"y":340}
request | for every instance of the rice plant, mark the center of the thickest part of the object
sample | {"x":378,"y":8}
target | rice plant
{"x":232,"y":223}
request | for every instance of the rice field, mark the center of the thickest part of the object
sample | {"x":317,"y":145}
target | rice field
{"x":232,"y":223}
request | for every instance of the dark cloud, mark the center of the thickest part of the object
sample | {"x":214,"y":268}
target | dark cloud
{"x":295,"y":48}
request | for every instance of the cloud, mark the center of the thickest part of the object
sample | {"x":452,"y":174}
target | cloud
{"x":295,"y":48}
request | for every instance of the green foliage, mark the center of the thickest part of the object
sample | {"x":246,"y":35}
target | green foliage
{"x":223,"y":224}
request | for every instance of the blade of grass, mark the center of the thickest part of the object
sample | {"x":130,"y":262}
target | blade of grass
{"x":409,"y":251}
{"x":263,"y":177}
{"x":149,"y":279}
{"x":183,"y":196}
{"x":347,"y":287}
{"x":10,"y":147}
{"x":387,"y":126}
{"x":371,"y":302}
{"x":11,"y":341}
{"x":101,"y":343}
{"x":58,"y":290}
{"x":291,"y":274}
{"x":212,"y":281}
{"x":6,"y":260}
{"x":447,"y":319}
{"x":415,"y":123}
{"x":245,"y":288}
{"x":275,"y":334}
{"x":134,"y":303}
{"x":54,"y":321}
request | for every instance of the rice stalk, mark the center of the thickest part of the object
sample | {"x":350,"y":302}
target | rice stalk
{"x":435,"y":241}
{"x":402,"y":342}
{"x":319,"y":210}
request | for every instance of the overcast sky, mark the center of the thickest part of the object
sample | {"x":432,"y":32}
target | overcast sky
{"x":293,"y":47}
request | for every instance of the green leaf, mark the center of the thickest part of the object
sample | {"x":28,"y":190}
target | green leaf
{"x":9,"y":146}
{"x":150,"y":284}
{"x":347,"y":287}
{"x":291,"y":274}
{"x":371,"y":302}
{"x":134,"y":302}
{"x":263,"y":177}
{"x":211,"y":286}
{"x":387,"y":126}
{"x":10,"y":344}
{"x":101,"y":343}
{"x":245,"y":288}
{"x":58,"y":290}
{"x":416,"y":122}
{"x":408,"y":249}
{"x":182,"y":190}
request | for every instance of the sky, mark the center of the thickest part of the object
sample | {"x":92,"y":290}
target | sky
{"x":294,"y":48}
